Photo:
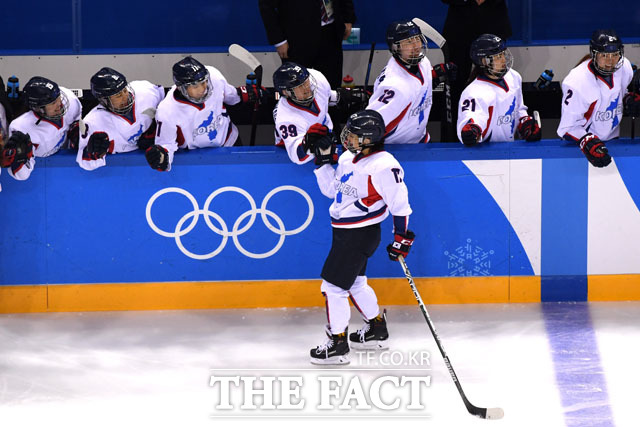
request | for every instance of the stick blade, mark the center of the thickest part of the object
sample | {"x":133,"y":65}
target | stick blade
{"x":244,"y":55}
{"x":430,"y":32}
{"x":494,"y":414}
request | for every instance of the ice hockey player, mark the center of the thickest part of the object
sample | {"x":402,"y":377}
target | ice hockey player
{"x":367,"y":186}
{"x":595,"y":96}
{"x":50,"y":124}
{"x":491,"y":106}
{"x":123,"y":120}
{"x":402,"y":93}
{"x":301,"y":114}
{"x":193,"y":114}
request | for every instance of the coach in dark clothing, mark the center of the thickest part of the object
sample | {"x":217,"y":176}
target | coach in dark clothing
{"x":309,"y":32}
{"x":466,"y":21}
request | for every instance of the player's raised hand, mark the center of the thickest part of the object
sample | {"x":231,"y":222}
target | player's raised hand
{"x":17,"y":150}
{"x":470,"y":134}
{"x":352,"y":99}
{"x":317,"y":136}
{"x":158,"y":157}
{"x":252,"y":94}
{"x":595,"y":151}
{"x":529,"y":129}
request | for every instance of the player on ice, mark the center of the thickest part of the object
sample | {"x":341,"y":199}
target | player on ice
{"x":402,"y":93}
{"x":594,"y":95}
{"x":367,"y":186}
{"x":302,"y":113}
{"x":50,"y":124}
{"x":122,"y":121}
{"x":491,"y":106}
{"x":194,"y":115}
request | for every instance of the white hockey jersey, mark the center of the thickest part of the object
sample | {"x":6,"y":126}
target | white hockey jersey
{"x":123,"y":131}
{"x":591,"y":104}
{"x":365,"y":189}
{"x":3,"y":130}
{"x":292,"y":121}
{"x":183,"y":124}
{"x":47,"y":136}
{"x":495,"y":106}
{"x":404,"y":100}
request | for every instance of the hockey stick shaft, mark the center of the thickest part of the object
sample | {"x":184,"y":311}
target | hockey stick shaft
{"x":366,"y":78}
{"x":448,"y":127}
{"x":252,"y":62}
{"x":488,"y":413}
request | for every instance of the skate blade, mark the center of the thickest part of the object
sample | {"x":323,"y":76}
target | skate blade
{"x":370,"y":345}
{"x":334,"y":360}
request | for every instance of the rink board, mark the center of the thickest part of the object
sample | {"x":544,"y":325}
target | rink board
{"x":497,"y":223}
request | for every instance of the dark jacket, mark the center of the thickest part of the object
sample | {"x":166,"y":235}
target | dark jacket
{"x":466,"y":20}
{"x":298,"y":21}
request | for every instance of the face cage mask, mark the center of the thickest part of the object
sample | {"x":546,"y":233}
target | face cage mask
{"x":489,"y":70}
{"x":412,"y":60}
{"x":603,"y":71}
{"x":183,"y":90}
{"x":348,"y":145}
{"x":290,"y":93}
{"x":131,"y":97}
{"x":65,"y":107}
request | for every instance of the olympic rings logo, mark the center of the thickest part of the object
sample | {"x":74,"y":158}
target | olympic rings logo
{"x":223,"y":231}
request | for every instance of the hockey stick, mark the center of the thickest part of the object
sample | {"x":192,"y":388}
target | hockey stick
{"x":447,"y":128}
{"x":366,"y":78}
{"x":245,"y":56}
{"x":486,"y":413}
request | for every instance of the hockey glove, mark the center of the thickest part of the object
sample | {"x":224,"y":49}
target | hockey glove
{"x":97,"y":147}
{"x":470,"y":134}
{"x":595,"y":150}
{"x":326,"y":155}
{"x":158,"y":157}
{"x":631,"y":103}
{"x":440,"y":72}
{"x":17,"y":151}
{"x":351,"y":99}
{"x":317,"y":136}
{"x":529,"y":129}
{"x":148,"y":138}
{"x":252,"y":94}
{"x":73,"y":135}
{"x":401,"y":245}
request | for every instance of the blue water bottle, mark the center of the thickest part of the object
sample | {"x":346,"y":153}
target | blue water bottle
{"x":544,"y":80}
{"x":13,"y":87}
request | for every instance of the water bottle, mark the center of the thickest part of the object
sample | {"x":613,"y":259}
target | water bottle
{"x":347,"y":82}
{"x":544,"y":80}
{"x":252,"y":79}
{"x":13,"y":87}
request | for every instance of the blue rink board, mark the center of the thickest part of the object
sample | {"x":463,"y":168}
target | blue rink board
{"x":67,"y":225}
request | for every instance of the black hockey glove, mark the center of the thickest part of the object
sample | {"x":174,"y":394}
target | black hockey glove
{"x":326,"y":155}
{"x":97,"y":147}
{"x":17,"y":151}
{"x":351,"y":100}
{"x":158,"y":157}
{"x":440,"y":72}
{"x":528,"y":129}
{"x":317,"y":135}
{"x":401,"y":245}
{"x":148,"y":138}
{"x":470,"y":134}
{"x":252,"y":94}
{"x":631,"y":103}
{"x":595,"y":150}
{"x":73,"y":135}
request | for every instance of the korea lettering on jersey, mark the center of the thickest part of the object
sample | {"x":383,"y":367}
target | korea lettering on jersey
{"x":46,"y":136}
{"x":123,"y":131}
{"x":592,"y":104}
{"x":183,"y":124}
{"x":292,"y":120}
{"x":404,"y":100}
{"x":495,"y":106}
{"x":365,"y":189}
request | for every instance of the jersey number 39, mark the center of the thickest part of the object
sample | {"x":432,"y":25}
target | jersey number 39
{"x":286,"y":132}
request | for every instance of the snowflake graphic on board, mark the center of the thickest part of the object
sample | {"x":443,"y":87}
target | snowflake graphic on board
{"x":469,"y":260}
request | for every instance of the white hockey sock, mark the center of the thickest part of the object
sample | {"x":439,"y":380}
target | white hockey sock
{"x":364,"y":298}
{"x":337,"y":304}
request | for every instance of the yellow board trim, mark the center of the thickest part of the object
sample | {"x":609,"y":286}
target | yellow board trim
{"x":614,"y":287}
